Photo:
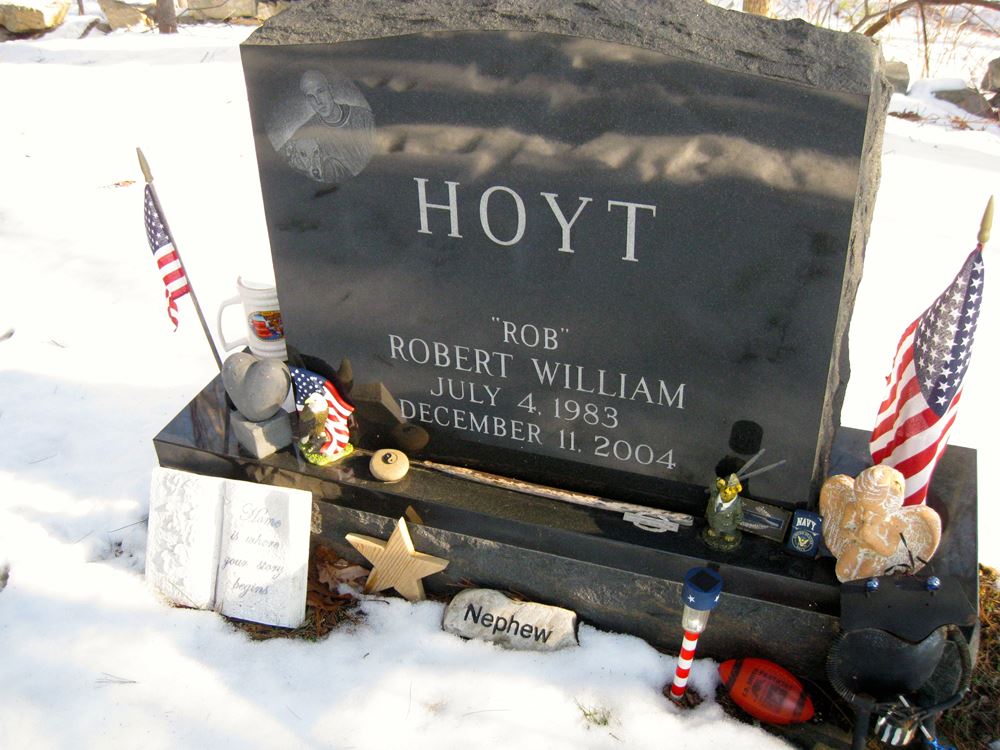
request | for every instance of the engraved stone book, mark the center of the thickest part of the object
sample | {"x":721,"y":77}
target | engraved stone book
{"x":239,"y":548}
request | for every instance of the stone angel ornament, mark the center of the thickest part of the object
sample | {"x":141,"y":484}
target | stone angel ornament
{"x":869,"y":531}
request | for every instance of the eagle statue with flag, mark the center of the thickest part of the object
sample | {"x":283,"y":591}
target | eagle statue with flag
{"x":925,"y":385}
{"x":323,"y":414}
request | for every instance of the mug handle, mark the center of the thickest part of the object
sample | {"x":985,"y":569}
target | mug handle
{"x":227,"y":345}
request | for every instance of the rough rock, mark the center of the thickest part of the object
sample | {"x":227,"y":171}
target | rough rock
{"x":898,"y":75}
{"x":269,"y":8}
{"x":221,"y":10}
{"x":991,"y":79}
{"x":26,"y":16}
{"x":489,"y":615}
{"x":968,"y":99}
{"x":123,"y":15}
{"x":685,"y":28}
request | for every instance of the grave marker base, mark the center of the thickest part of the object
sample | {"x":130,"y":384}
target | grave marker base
{"x":615,"y":576}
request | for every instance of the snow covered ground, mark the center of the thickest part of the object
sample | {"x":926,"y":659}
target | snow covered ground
{"x":92,"y":371}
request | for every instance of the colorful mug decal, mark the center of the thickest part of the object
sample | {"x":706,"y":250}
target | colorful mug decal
{"x":266,"y":325}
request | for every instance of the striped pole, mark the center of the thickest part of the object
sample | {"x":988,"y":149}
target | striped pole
{"x":684,"y":662}
{"x":700,"y":593}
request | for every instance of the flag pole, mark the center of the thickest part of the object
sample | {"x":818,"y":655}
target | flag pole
{"x":986,"y":224}
{"x":144,"y":166}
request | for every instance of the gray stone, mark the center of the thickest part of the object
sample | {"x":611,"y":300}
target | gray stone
{"x":26,"y":16}
{"x":256,"y":386}
{"x":898,"y":75}
{"x":121,"y":15}
{"x":261,"y":439}
{"x":991,"y":79}
{"x":489,"y":615}
{"x":968,"y":99}
{"x":676,"y":162}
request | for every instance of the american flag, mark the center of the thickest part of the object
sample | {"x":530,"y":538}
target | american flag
{"x":925,"y":385}
{"x":307,"y":383}
{"x":167,"y":260}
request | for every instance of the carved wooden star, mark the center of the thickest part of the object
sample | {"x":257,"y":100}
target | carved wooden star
{"x":396,"y":564}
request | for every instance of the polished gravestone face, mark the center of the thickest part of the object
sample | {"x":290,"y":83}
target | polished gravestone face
{"x":568,"y":260}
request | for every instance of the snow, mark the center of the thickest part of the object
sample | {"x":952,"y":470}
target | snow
{"x":92,"y":371}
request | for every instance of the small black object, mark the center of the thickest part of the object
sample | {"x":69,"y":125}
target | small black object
{"x":897,"y":630}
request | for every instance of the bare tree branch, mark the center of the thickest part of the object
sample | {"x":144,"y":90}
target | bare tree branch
{"x":927,"y":41}
{"x":889,"y":15}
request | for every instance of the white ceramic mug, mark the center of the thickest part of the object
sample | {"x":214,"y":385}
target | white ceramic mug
{"x":265,"y":333}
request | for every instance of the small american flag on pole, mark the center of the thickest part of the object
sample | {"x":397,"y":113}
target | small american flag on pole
{"x":307,"y":383}
{"x":925,"y":384}
{"x":165,"y":255}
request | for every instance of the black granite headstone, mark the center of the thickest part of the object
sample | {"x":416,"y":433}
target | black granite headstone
{"x":594,"y":247}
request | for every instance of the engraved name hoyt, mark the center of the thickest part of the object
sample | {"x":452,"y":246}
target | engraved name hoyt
{"x":515,"y":205}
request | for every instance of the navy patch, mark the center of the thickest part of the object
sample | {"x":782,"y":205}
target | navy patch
{"x":806,"y":533}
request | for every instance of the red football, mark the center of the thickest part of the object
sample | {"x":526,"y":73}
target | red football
{"x":766,"y":690}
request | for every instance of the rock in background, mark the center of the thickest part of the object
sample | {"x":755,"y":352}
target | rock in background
{"x":991,"y":81}
{"x":122,"y":15}
{"x":967,"y":98}
{"x":898,"y":75}
{"x":26,"y":16}
{"x":270,"y":8}
{"x":220,"y":10}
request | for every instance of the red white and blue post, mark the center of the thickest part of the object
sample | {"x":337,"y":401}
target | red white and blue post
{"x":701,"y":592}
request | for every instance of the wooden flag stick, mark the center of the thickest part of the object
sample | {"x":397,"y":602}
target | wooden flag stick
{"x":148,"y":175}
{"x":987,"y":223}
